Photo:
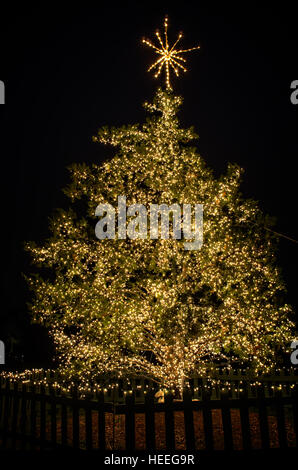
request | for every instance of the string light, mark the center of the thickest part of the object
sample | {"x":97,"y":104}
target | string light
{"x":210,"y":385}
{"x":169,"y":56}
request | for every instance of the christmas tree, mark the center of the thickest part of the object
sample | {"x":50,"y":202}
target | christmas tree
{"x":141,"y":305}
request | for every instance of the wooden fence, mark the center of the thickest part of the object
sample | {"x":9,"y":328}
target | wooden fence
{"x":38,"y":417}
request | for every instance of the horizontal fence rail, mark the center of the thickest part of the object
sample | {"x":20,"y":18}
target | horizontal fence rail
{"x":230,"y":417}
{"x":231,"y":380}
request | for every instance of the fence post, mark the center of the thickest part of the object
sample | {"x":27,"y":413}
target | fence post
{"x":207,"y":417}
{"x":281,"y":425}
{"x":75,"y":419}
{"x":6,"y":412}
{"x":295,"y":410}
{"x":169,"y":418}
{"x":188,"y":419}
{"x":226,"y":421}
{"x":33,"y":417}
{"x":150,"y":420}
{"x":263,"y":418}
{"x":130,"y":420}
{"x":24,"y":416}
{"x":42,"y":416}
{"x":64,"y":425}
{"x":15,"y":410}
{"x":53,"y":417}
{"x":88,"y":417}
{"x":101,"y":421}
{"x":244,"y":417}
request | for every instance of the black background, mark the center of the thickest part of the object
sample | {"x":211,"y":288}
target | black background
{"x":69,"y":70}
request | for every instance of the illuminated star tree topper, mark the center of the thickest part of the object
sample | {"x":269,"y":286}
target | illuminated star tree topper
{"x":169,"y":56}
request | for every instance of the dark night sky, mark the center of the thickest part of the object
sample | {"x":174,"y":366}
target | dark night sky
{"x":69,"y":72}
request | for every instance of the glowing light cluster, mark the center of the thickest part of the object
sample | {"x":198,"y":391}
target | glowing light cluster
{"x":283,"y":380}
{"x":148,"y":307}
{"x":169,"y":57}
